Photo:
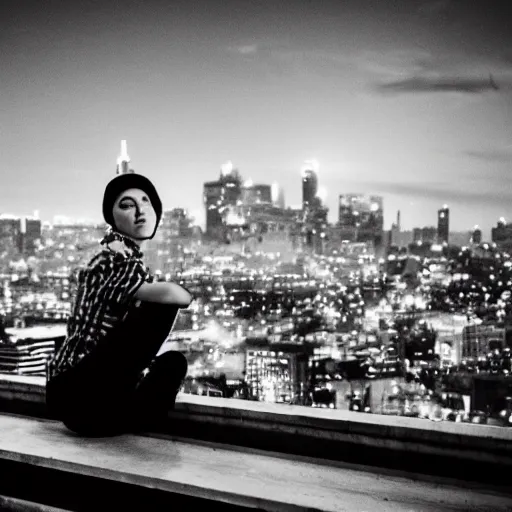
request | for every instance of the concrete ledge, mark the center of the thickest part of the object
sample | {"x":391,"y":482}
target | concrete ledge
{"x":479,"y":442}
{"x":466,"y":451}
{"x":7,"y":503}
{"x":137,"y":470}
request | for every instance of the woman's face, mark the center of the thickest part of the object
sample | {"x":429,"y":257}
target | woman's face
{"x":134,"y":215}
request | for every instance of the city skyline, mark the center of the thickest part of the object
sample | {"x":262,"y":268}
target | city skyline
{"x":409,"y":102}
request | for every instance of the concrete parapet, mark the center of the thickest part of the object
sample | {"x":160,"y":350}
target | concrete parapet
{"x":457,"y":450}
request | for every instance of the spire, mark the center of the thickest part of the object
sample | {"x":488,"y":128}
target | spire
{"x":124,"y":151}
{"x":123,"y":160}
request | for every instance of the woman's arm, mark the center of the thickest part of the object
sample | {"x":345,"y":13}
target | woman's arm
{"x":164,"y":293}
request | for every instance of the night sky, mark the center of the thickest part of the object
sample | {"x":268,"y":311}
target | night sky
{"x":390,"y":97}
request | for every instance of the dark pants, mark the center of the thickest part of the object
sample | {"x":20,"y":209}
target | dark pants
{"x":108,"y":392}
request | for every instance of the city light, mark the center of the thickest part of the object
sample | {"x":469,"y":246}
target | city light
{"x":290,"y":277}
{"x":226,"y":168}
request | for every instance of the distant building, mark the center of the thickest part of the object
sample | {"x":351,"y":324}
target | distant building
{"x":501,"y":235}
{"x":220,"y":197}
{"x":19,"y":234}
{"x":362,"y":217}
{"x":479,"y":340}
{"x":176,"y":223}
{"x":278,"y":196}
{"x":213,"y":201}
{"x":394,"y":233}
{"x":123,"y":160}
{"x":31,"y":235}
{"x":443,"y":225}
{"x":427,"y":234}
{"x":256,"y":194}
{"x":476,"y":236}
{"x":10,"y":233}
{"x":277,"y":373}
{"x":309,"y":186}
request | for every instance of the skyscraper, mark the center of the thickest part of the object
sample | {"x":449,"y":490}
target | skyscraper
{"x":395,"y":230}
{"x":123,"y":160}
{"x":309,"y":184}
{"x":30,"y":234}
{"x":213,"y":196}
{"x":443,"y":225}
{"x":10,"y":233}
{"x":501,"y":235}
{"x":277,"y":195}
{"x":220,"y":197}
{"x":362,"y":217}
{"x":256,"y":193}
{"x":476,"y":235}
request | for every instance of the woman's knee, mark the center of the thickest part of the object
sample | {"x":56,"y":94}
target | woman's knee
{"x":173,"y":360}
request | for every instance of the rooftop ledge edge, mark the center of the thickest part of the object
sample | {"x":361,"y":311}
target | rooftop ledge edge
{"x":32,"y":389}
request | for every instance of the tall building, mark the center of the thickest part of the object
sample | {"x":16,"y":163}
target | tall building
{"x":10,"y":233}
{"x":213,"y":198}
{"x":220,"y":198}
{"x":426,"y":235}
{"x":443,"y":225}
{"x":123,"y":160}
{"x":278,"y":196}
{"x":362,"y":217}
{"x":256,"y":194}
{"x":30,"y":235}
{"x":501,"y":235}
{"x":177,"y":223}
{"x":277,"y":372}
{"x":479,"y":340}
{"x":309,"y":184}
{"x":394,"y":236}
{"x":476,"y":235}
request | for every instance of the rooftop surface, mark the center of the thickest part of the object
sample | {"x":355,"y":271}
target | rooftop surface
{"x":237,"y":476}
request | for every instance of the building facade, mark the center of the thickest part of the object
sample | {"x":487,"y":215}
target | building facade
{"x":443,"y":225}
{"x":425,"y":235}
{"x":10,"y":234}
{"x":479,"y":340}
{"x":309,"y":187}
{"x":501,"y":235}
{"x":220,"y":197}
{"x":361,"y":217}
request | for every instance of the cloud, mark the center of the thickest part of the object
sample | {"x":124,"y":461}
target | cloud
{"x":285,"y":52}
{"x":417,"y":71}
{"x":439,"y":84}
{"x":248,"y":49}
{"x":491,"y":155}
{"x":443,"y":192}
{"x":244,"y":49}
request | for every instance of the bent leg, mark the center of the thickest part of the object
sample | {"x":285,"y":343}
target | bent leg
{"x":156,"y":393}
{"x":133,"y":345}
{"x":95,"y":397}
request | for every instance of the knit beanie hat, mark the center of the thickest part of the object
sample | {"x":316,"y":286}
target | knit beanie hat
{"x":124,"y":182}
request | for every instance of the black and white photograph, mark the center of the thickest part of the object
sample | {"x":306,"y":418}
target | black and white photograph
{"x":256,"y":255}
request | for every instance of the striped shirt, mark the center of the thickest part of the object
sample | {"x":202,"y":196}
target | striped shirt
{"x":105,"y":291}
